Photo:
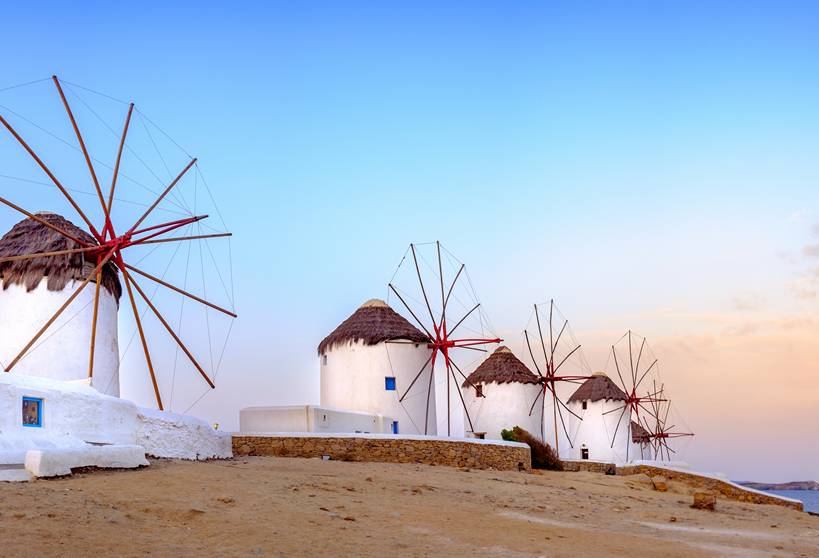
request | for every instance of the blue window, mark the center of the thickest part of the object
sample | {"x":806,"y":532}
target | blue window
{"x":395,"y":427}
{"x":32,"y":412}
{"x":389,"y":383}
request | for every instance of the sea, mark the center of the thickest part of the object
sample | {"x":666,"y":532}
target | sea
{"x":809,"y":497}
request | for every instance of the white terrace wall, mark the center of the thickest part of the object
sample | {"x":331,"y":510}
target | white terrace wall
{"x":274,"y":419}
{"x":310,"y":418}
{"x":504,"y":406}
{"x":165,"y":434}
{"x":76,"y":417}
{"x":62,"y":353}
{"x":72,"y":414}
{"x":353,"y":377}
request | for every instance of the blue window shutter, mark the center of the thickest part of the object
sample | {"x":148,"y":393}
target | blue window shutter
{"x":395,"y":427}
{"x":33,"y":412}
{"x":389,"y":383}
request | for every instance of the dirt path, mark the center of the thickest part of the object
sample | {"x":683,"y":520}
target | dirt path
{"x":303,"y":507}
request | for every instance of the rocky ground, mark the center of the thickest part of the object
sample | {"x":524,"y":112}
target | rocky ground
{"x":262,"y":506}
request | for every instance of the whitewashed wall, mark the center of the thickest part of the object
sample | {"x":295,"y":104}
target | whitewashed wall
{"x":166,"y":434}
{"x":505,"y":406}
{"x":597,"y":430}
{"x":62,"y":353}
{"x":76,"y":415}
{"x":275,"y":419}
{"x":451,"y":421}
{"x":72,"y":415}
{"x":352,"y":378}
{"x":310,"y":418}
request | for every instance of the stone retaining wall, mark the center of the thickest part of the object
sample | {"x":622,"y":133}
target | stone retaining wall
{"x":477,"y":454}
{"x":574,"y":466}
{"x":722,"y":487}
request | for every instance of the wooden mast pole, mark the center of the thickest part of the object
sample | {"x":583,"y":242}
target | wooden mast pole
{"x":94,"y":324}
{"x":107,"y":225}
{"x":141,"y":335}
{"x":116,"y":168}
{"x":168,"y":327}
{"x":53,"y":178}
{"x":185,"y":293}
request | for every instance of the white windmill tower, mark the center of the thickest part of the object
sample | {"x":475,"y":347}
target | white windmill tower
{"x":33,"y":289}
{"x":62,"y":282}
{"x":369,"y":359}
{"x":595,"y":402}
{"x":498,"y":396}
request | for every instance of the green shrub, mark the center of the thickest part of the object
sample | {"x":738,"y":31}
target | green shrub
{"x":508,"y":435}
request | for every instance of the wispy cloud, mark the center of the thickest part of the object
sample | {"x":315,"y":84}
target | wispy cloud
{"x":806,"y":284}
{"x":742,"y":329}
{"x":804,"y":288}
{"x":746,"y":303}
{"x":811,"y":250}
{"x":798,"y":216}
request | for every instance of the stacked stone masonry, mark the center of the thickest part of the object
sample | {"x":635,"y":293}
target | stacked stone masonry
{"x":575,"y":466}
{"x":469,"y":454}
{"x":389,"y":450}
{"x":723,"y":488}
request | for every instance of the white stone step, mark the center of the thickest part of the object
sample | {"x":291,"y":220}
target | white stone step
{"x":14,"y":473}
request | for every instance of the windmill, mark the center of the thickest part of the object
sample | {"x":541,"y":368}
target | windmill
{"x":663,"y":429}
{"x":112,"y":243}
{"x":636,"y":400}
{"x":564,"y":349}
{"x":433,"y":314}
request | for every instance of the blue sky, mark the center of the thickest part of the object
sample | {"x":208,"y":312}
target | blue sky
{"x":649,"y":166}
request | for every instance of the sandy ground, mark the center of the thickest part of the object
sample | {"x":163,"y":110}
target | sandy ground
{"x":307,"y":507}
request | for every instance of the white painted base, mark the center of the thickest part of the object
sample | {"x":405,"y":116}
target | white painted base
{"x":166,"y":434}
{"x":84,"y":428}
{"x":15,"y":474}
{"x":54,"y":463}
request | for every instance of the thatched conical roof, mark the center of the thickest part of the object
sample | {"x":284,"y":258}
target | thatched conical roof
{"x":598,"y":387}
{"x":31,"y":237}
{"x":372,"y":323}
{"x":639,"y":435}
{"x":501,"y":367}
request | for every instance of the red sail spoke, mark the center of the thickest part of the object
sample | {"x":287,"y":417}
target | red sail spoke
{"x":440,"y":338}
{"x":548,"y":377}
{"x":163,"y":229}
